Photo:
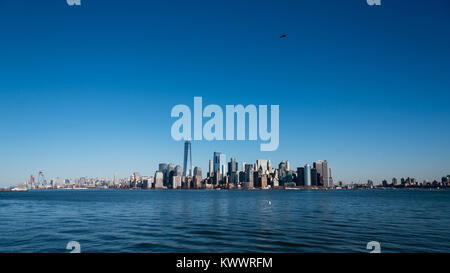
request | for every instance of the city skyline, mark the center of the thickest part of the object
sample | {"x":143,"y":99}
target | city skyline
{"x":88,"y":90}
{"x":319,"y":173}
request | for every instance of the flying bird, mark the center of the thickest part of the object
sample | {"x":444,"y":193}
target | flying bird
{"x":283,"y":36}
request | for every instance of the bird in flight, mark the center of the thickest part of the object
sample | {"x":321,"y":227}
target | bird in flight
{"x":283,"y":36}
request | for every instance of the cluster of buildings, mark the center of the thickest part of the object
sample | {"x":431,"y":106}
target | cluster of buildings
{"x":79,"y":182}
{"x":230,"y":174}
{"x":402,"y":183}
{"x":413,"y":183}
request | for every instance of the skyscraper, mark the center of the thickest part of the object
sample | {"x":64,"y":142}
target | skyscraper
{"x":220,"y":164}
{"x":233,"y":171}
{"x":269,"y":166}
{"x":211,"y":172}
{"x":187,"y":159}
{"x":300,"y":176}
{"x":249,"y":176}
{"x":197,"y":180}
{"x":261,"y":164}
{"x":164,"y":168}
{"x":307,"y":175}
{"x":159,"y":177}
{"x":197,"y":171}
{"x":318,"y":166}
{"x":176,"y":179}
{"x":282,"y":171}
{"x":232,"y":166}
{"x":178,"y":170}
{"x":116,"y":179}
{"x":314,"y":177}
{"x":326,"y":173}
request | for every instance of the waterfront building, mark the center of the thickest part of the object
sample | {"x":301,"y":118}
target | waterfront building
{"x":269,"y":167}
{"x":261,"y":164}
{"x":242,"y":176}
{"x":198,"y":171}
{"x":300,"y":181}
{"x":187,"y":163}
{"x":170,"y":167}
{"x":260,"y":179}
{"x":178,"y":170}
{"x":211,"y":172}
{"x":325,"y":173}
{"x":187,"y":182}
{"x":159,"y":180}
{"x":176,"y":181}
{"x":216,"y":179}
{"x":148,"y":183}
{"x":176,"y":177}
{"x":136,"y":175}
{"x":394,"y":181}
{"x":220,"y":164}
{"x":315,"y":177}
{"x":116,"y":179}
{"x":307,"y":175}
{"x":197,"y":182}
{"x":275,"y":182}
{"x":282,"y":171}
{"x":249,"y":176}
{"x":318,"y":166}
{"x":162,"y":167}
{"x":233,"y":171}
{"x":232,"y":166}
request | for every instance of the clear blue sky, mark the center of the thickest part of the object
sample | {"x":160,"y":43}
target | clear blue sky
{"x":87,"y":91}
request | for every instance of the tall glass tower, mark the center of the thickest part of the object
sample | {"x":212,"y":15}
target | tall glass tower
{"x":187,"y":159}
{"x":220,"y":164}
{"x":307,"y":175}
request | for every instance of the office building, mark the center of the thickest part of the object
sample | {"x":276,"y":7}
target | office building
{"x":300,"y":176}
{"x":261,"y":164}
{"x":307,"y":175}
{"x":220,"y":164}
{"x":187,"y":163}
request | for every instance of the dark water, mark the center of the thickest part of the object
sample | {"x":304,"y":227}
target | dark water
{"x":225,"y":221}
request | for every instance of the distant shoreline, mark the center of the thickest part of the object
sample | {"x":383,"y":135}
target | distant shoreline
{"x":232,"y":189}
